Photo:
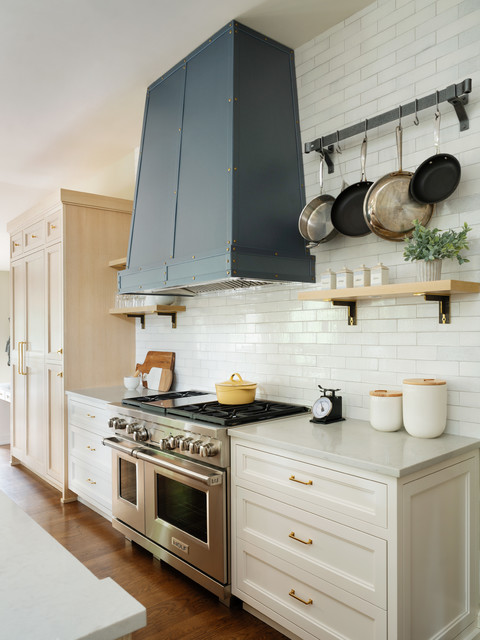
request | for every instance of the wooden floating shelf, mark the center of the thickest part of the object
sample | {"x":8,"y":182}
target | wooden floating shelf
{"x":437,"y":290}
{"x":118,"y":264}
{"x":141,"y":312}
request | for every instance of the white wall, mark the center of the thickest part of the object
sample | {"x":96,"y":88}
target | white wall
{"x":389,"y":53}
{"x":4,"y":325}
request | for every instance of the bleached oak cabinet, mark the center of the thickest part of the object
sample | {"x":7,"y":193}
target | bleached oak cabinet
{"x":332,"y":551}
{"x":62,"y":334}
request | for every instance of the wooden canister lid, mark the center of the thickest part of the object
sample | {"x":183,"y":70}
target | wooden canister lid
{"x":383,"y":393}
{"x":424,"y":381}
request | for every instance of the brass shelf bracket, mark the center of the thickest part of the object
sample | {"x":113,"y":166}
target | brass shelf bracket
{"x":443,"y":307}
{"x":352,"y":310}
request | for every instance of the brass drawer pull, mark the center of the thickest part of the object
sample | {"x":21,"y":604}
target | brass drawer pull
{"x":52,"y":226}
{"x":16,"y":244}
{"x":293,"y":536}
{"x":34,"y":236}
{"x":60,"y":351}
{"x":292,"y":593}
{"x":90,"y":416}
{"x":300,"y":481}
{"x":91,"y":481}
{"x":91,"y":448}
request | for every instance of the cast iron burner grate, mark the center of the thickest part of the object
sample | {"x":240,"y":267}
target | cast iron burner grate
{"x":138,"y":401}
{"x":233,"y":415}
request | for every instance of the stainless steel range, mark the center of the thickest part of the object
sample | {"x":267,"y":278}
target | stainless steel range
{"x":171,"y":476}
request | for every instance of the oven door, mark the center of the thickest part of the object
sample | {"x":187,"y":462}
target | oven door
{"x":186,"y":511}
{"x":128,"y":493}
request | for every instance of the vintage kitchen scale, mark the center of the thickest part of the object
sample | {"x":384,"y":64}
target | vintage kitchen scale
{"x":328,"y":408}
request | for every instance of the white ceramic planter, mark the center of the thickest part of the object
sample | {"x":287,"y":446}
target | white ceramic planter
{"x":386,"y":410}
{"x":428,"y":270}
{"x":425,"y":407}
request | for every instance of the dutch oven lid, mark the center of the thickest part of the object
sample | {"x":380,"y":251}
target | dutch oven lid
{"x":424,"y":381}
{"x":236,"y":383}
{"x":383,"y":393}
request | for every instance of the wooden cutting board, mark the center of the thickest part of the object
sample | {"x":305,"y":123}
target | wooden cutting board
{"x":162,"y":360}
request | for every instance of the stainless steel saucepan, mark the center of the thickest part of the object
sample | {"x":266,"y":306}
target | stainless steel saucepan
{"x":314,"y":223}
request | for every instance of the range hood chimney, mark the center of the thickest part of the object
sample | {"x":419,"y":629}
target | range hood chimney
{"x":220,"y":178}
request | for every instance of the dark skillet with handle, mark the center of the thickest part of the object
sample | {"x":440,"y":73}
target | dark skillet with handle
{"x":347,"y":210}
{"x":314,"y":223}
{"x":389,"y":209}
{"x":438,"y":176}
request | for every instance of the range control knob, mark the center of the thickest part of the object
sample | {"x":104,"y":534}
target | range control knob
{"x":185,"y":444}
{"x":194,"y":447}
{"x":132,"y":427}
{"x":140,"y":434}
{"x":173,"y":442}
{"x":117,"y":423}
{"x":208,"y":450}
{"x":163,"y":444}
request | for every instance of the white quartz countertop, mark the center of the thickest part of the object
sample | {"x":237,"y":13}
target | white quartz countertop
{"x":111,"y":394}
{"x":47,"y":594}
{"x":355,"y":443}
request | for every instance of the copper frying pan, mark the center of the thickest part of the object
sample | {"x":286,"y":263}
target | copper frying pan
{"x":389,"y":209}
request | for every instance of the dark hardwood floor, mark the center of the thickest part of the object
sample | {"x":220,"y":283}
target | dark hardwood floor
{"x":177,"y":608}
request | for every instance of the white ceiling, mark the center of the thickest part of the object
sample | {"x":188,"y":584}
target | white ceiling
{"x":73,"y":76}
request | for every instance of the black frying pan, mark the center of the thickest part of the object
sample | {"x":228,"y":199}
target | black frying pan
{"x":347,"y":210}
{"x":438,"y":176}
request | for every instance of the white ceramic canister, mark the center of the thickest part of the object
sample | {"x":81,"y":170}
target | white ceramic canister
{"x":328,"y":279}
{"x":425,"y":407}
{"x":386,"y":410}
{"x":379,"y":274}
{"x":344,"y":278}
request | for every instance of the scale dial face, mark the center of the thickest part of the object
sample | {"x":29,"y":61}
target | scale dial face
{"x":322,"y":407}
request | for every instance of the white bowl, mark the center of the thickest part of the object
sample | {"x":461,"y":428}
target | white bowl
{"x":159,"y":299}
{"x":131,"y":382}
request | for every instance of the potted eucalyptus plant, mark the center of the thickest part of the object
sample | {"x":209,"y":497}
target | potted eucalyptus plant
{"x":428,"y":247}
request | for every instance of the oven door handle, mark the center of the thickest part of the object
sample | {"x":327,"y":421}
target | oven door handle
{"x":116,"y":443}
{"x":182,"y":468}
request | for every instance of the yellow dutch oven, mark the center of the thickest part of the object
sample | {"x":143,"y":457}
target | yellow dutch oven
{"x":236,"y":391}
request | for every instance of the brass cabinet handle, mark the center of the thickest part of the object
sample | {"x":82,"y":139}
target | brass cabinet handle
{"x":16,"y":244}
{"x":60,"y":351}
{"x":90,"y":416}
{"x":91,"y":448}
{"x":21,"y":348}
{"x":91,"y":481}
{"x":34,"y":236}
{"x":300,"y":481}
{"x":53,"y":226}
{"x":294,"y":537}
{"x":292,"y":593}
{"x":60,"y":375}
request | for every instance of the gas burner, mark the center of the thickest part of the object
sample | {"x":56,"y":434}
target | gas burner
{"x":140,"y":401}
{"x":232,"y":415}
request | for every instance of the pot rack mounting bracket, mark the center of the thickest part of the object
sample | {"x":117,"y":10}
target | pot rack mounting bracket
{"x":455,"y":94}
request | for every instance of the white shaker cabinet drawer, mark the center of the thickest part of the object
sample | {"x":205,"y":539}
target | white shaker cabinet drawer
{"x":53,"y":229}
{"x":313,"y":487}
{"x":34,"y":236}
{"x":346,"y":557}
{"x":90,"y":482}
{"x":16,"y":245}
{"x":89,"y":416}
{"x":88,"y":447}
{"x":302,"y":601}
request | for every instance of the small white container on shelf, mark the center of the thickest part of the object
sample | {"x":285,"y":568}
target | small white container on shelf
{"x":328,"y":279}
{"x":386,"y":410}
{"x":425,"y":407}
{"x":344,"y":278}
{"x":379,"y":274}
{"x":361,"y":276}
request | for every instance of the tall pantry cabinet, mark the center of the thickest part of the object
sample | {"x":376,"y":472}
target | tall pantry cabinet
{"x":62,"y":335}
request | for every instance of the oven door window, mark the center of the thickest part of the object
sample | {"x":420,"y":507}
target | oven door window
{"x":127,"y":485}
{"x":182,"y":506}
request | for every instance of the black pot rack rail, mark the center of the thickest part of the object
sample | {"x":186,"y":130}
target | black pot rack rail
{"x":455,"y":94}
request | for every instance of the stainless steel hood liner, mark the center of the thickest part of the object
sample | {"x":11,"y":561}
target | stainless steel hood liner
{"x":220,"y":177}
